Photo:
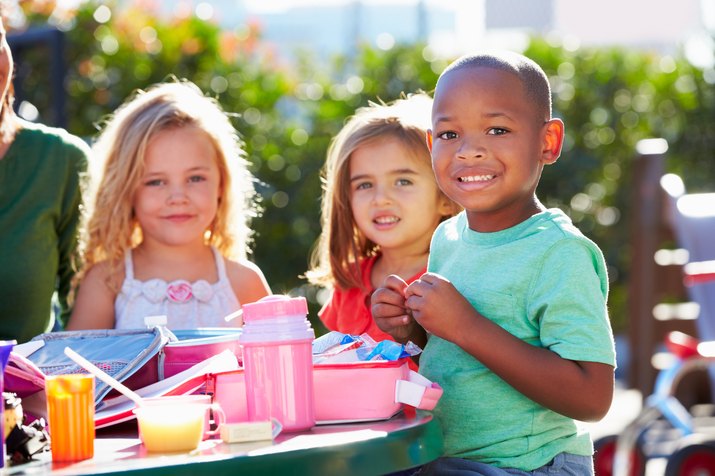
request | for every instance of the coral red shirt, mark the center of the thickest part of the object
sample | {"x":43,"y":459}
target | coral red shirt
{"x":348,"y":310}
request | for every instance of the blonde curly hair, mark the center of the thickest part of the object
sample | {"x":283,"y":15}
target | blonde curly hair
{"x":110,"y":227}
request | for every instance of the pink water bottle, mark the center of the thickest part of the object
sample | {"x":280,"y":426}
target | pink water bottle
{"x":277,"y":343}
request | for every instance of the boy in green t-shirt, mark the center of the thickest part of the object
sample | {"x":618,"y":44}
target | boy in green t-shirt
{"x":512,"y":311}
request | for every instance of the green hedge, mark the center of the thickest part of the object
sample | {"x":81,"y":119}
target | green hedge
{"x":609,"y":99}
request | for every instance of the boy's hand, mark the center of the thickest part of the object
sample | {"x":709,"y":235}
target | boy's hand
{"x":389,"y":311}
{"x":438,"y":307}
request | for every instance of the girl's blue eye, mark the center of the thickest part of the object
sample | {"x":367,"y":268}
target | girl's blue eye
{"x":196,"y":178}
{"x":363,"y":186}
{"x":153,"y":183}
{"x":403,"y":181}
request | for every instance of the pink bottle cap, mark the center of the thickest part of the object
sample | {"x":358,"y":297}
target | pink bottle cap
{"x":276,"y":319}
{"x":275,"y":306}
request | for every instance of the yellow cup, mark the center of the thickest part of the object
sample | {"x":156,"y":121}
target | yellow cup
{"x":70,"y":411}
{"x":176,"y":423}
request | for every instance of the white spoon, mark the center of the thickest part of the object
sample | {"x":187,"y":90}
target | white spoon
{"x":103,"y":376}
{"x":233,"y":315}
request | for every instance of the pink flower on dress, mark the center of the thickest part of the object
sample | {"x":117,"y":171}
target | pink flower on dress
{"x":179,"y":291}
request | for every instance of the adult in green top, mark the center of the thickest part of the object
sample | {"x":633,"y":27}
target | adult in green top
{"x":41,"y":171}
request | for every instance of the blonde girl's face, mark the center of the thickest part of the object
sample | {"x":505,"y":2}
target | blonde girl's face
{"x":394,"y":197}
{"x":177,"y":197}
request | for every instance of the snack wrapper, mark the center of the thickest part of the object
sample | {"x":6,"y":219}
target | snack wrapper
{"x":338,"y":347}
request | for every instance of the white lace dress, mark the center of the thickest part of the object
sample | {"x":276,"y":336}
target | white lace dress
{"x":186,"y":305}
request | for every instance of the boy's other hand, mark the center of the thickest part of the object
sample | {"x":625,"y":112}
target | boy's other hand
{"x":437,"y":306}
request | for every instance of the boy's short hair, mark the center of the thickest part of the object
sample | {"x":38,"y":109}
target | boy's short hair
{"x":535,"y":81}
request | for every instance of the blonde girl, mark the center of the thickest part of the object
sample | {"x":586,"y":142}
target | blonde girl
{"x":380,"y":206}
{"x":168,"y":225}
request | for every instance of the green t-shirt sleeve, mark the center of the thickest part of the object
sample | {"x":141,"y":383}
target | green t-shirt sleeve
{"x":568,"y":299}
{"x":68,"y":223}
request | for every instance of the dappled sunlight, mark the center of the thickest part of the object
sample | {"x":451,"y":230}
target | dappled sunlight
{"x":697,"y":205}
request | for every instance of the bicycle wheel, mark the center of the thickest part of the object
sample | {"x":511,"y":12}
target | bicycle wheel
{"x":604,"y":453}
{"x":692,"y":460}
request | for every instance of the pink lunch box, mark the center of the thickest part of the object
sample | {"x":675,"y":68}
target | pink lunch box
{"x":193,"y":346}
{"x":351,"y":391}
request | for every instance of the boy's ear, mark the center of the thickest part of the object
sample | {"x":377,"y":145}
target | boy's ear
{"x":446,"y":206}
{"x":553,"y":141}
{"x":428,"y":137}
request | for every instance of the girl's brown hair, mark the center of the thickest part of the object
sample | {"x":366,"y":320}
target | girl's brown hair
{"x":341,"y":245}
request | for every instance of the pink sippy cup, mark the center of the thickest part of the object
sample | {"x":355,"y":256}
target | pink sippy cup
{"x":278,"y":361}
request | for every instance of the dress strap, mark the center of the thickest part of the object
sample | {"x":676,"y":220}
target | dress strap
{"x":128,"y":265}
{"x":220,"y":264}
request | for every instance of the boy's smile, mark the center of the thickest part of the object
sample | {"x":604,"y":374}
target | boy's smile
{"x":489,"y":145}
{"x":477,"y":178}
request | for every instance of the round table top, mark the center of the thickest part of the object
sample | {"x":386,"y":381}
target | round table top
{"x":366,"y":448}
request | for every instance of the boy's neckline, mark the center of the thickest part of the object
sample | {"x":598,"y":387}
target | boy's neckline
{"x":499,"y":236}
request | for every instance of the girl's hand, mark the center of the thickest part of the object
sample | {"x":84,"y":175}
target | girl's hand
{"x":438,"y":307}
{"x":389,"y":311}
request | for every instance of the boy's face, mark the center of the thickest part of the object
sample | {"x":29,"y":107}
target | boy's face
{"x":489,"y":146}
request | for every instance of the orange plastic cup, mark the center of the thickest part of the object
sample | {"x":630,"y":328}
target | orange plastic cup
{"x":70,"y":410}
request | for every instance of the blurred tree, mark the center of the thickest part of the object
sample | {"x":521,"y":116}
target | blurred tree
{"x":609,"y":99}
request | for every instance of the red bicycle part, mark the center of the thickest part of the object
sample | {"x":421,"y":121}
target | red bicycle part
{"x":692,"y":460}
{"x":681,"y":345}
{"x":605,"y":452}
